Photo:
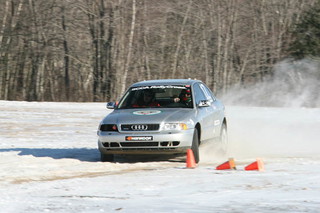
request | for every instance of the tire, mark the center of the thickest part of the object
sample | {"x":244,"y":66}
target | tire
{"x":195,"y":145}
{"x":107,"y":158}
{"x":223,"y":139}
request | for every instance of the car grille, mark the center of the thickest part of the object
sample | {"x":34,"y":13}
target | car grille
{"x":141,"y":144}
{"x":140,"y":127}
{"x":130,"y":144}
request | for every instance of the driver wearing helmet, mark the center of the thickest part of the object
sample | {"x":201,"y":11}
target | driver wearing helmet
{"x":184,"y":97}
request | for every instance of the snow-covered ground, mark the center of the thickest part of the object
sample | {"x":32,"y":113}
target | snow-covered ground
{"x":49,"y":163}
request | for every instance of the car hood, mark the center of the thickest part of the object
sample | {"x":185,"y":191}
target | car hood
{"x":136,"y":116}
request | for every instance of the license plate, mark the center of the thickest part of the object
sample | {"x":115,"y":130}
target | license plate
{"x":139,"y":138}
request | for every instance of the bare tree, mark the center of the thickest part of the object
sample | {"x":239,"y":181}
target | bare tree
{"x":91,"y":50}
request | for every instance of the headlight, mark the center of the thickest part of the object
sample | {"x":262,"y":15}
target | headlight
{"x":109,"y":127}
{"x":175,"y":126}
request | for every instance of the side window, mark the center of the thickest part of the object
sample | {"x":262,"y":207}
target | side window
{"x":198,"y":93}
{"x":207,"y":92}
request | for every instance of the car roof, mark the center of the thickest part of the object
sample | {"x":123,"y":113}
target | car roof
{"x":165,"y":82}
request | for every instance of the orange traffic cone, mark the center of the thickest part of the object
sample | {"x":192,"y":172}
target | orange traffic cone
{"x":257,"y":165}
{"x":230,"y":164}
{"x":191,"y":162}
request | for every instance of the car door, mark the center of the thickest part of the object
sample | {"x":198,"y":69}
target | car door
{"x":205,"y":113}
{"x":216,"y":110}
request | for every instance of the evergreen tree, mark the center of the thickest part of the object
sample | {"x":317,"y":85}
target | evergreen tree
{"x":307,"y":34}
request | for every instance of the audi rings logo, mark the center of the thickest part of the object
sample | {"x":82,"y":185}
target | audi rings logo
{"x":139,"y":127}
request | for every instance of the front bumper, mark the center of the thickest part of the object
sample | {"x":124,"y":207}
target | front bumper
{"x":145,"y":143}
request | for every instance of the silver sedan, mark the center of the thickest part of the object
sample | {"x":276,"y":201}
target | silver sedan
{"x":163,"y":117}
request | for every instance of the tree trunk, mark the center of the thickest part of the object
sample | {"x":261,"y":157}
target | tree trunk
{"x":66,"y":55}
{"x":130,"y":44}
{"x":179,"y":40}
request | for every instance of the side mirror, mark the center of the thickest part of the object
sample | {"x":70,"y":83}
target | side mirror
{"x":111,"y":105}
{"x":204,"y":103}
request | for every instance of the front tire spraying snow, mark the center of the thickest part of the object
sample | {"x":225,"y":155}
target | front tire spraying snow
{"x":223,"y":139}
{"x":195,"y":145}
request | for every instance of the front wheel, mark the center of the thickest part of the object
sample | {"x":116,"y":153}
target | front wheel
{"x":195,"y":146}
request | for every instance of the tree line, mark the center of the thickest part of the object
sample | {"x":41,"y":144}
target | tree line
{"x":92,"y":50}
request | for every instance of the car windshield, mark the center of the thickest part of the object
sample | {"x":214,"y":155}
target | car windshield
{"x":163,"y":96}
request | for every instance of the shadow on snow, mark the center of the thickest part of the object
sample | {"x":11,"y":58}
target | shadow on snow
{"x":81,"y":154}
{"x":87,"y":155}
